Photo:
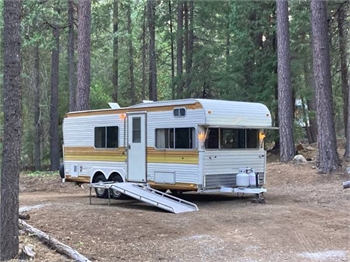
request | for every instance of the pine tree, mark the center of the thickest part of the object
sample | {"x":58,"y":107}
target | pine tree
{"x":328,"y":160}
{"x":9,"y":242}
{"x":285,"y":101}
{"x":84,"y":49}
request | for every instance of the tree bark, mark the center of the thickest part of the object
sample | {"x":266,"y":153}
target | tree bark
{"x":131,"y":57}
{"x":71,"y":66}
{"x":152,"y":51}
{"x":311,"y":105}
{"x":54,"y":136}
{"x":37,"y":121}
{"x":179,"y":49}
{"x":172,"y":52}
{"x":144,"y":53}
{"x":285,"y":101}
{"x":343,"y":63}
{"x":189,"y":41}
{"x":186,"y":43}
{"x":347,"y":145}
{"x":84,"y":39}
{"x":11,"y":154}
{"x":328,"y":159}
{"x":115,"y":81}
{"x":53,"y":243}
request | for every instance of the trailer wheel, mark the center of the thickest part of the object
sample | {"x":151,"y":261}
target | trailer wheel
{"x":62,"y":171}
{"x":115,"y":193}
{"x":100,"y":192}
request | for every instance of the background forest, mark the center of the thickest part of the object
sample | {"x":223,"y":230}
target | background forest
{"x":160,"y":50}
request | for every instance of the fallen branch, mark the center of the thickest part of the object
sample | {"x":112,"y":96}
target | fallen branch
{"x":346,"y":184}
{"x":52,"y":242}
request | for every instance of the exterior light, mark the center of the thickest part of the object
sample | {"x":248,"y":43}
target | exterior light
{"x":261,"y":136}
{"x":201,"y":136}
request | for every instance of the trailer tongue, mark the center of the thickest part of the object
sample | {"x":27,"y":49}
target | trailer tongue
{"x":148,"y":195}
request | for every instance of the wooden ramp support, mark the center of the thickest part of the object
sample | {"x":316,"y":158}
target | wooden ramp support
{"x":149,"y":195}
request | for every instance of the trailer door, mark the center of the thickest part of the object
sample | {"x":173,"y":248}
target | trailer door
{"x":136,"y":124}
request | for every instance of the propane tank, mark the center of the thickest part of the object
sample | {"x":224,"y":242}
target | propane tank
{"x":242,"y":178}
{"x":252,"y":178}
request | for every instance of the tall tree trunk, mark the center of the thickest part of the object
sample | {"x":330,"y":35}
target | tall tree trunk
{"x":131,"y":57}
{"x":172,"y":52}
{"x":343,"y":62}
{"x":144,"y":54}
{"x":189,"y":41}
{"x":228,"y":36}
{"x":11,"y":154}
{"x":186,"y":38}
{"x":347,"y":145}
{"x":84,"y":30}
{"x":115,"y":81}
{"x":71,"y":67}
{"x":328,"y":160}
{"x":311,"y":105}
{"x":179,"y":48}
{"x":37,"y":121}
{"x":285,"y":101}
{"x":152,"y":51}
{"x":54,"y":136}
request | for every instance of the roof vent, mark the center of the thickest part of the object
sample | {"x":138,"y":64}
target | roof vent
{"x":114,"y":105}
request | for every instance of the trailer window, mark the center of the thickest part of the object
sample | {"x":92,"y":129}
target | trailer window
{"x":175,"y":138}
{"x":106,"y":137}
{"x":229,"y":138}
{"x":178,"y":112}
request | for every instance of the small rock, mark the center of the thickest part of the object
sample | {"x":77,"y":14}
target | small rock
{"x":28,"y":250}
{"x":299,"y":159}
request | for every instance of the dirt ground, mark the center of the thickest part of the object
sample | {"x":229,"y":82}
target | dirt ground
{"x":306,"y":217}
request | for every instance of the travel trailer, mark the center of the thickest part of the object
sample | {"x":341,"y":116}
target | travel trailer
{"x":200,"y":145}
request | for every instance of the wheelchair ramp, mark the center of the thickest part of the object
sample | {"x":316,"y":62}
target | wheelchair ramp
{"x":151,"y":196}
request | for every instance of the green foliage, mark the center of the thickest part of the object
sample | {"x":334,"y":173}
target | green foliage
{"x":234,"y":55}
{"x":41,"y":174}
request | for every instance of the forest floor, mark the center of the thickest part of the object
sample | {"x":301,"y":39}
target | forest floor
{"x":306,"y":217}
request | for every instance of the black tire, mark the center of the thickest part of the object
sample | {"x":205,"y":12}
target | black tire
{"x":115,"y":193}
{"x":100,"y":192}
{"x":62,"y":175}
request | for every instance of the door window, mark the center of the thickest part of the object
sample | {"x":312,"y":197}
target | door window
{"x":136,"y":129}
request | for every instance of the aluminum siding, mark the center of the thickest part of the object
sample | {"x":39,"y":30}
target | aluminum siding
{"x":230,"y":113}
{"x":221,"y":167}
{"x":79,"y":131}
{"x":183,"y":173}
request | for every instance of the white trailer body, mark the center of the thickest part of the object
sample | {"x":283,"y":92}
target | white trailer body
{"x":180,"y":145}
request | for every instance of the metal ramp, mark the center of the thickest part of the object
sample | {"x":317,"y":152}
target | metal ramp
{"x":149,"y":195}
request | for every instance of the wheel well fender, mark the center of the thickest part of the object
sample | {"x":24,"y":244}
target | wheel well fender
{"x":115,"y":176}
{"x":97,"y":173}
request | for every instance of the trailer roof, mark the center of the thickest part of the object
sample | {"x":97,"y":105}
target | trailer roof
{"x":217,"y":112}
{"x":222,"y":112}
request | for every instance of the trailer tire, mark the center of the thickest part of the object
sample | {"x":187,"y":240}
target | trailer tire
{"x":62,"y":171}
{"x":100,"y":192}
{"x":115,"y":193}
